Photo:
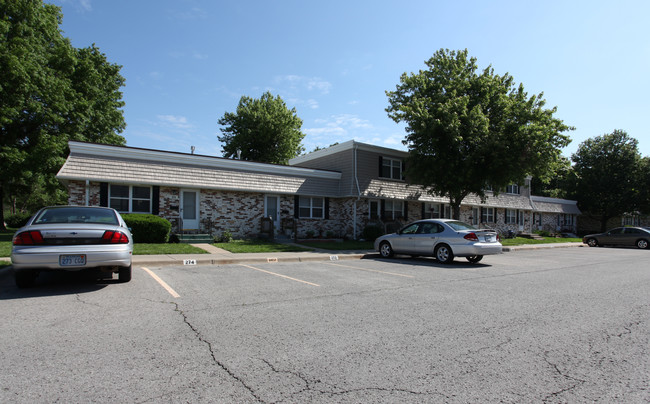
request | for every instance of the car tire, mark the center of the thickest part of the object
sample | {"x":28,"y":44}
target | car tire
{"x":592,"y":242}
{"x":642,"y":244}
{"x":385,"y":249}
{"x":25,"y":278}
{"x":443,"y":254}
{"x":474,"y":258}
{"x":124,"y":274}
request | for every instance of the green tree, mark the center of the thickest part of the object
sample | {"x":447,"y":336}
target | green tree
{"x":608,"y":175}
{"x":50,"y":92}
{"x":263,"y":130}
{"x":466,"y":130}
{"x":560,"y":184}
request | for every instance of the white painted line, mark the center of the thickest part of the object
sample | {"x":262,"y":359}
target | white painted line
{"x":162,"y":283}
{"x":281,"y":276}
{"x":370,"y":270}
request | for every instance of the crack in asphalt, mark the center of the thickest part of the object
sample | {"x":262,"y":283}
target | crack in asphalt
{"x":575,"y":381}
{"x":216,"y":361}
{"x":310,"y":385}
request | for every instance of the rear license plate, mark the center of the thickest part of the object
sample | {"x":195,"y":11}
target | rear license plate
{"x":72,"y":260}
{"x":489,"y":239}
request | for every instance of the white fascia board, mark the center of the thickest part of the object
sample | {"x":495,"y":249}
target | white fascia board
{"x":196,"y":160}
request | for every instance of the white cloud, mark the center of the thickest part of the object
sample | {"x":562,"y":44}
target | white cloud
{"x":174,"y":121}
{"x":301,"y":83}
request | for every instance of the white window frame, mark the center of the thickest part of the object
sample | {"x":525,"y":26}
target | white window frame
{"x":513,"y":189}
{"x":130,"y":198}
{"x":488,"y":215}
{"x":476,"y":212}
{"x":390,"y":213}
{"x":431,"y":210}
{"x":307,"y":202}
{"x":392,"y":165}
{"x":511,"y":216}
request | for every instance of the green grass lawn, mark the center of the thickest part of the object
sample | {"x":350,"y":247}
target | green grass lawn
{"x":166,"y":248}
{"x":5,"y":242}
{"x":547,"y":240}
{"x":258,"y":246}
{"x":345,"y":245}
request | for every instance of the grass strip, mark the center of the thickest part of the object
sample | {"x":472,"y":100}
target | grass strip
{"x":258,"y":246}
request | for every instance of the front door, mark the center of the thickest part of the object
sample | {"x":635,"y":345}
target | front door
{"x":272,"y":209}
{"x":190,"y":209}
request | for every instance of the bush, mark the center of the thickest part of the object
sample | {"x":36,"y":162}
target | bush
{"x":148,"y":228}
{"x":371,"y":232}
{"x":18,"y":220}
{"x":226,"y":237}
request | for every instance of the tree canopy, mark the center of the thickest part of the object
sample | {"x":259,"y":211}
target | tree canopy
{"x":263,"y":130}
{"x":609,"y":176}
{"x":50,"y":92}
{"x":467,"y":130}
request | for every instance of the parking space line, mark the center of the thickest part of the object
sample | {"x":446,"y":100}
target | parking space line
{"x":371,"y":270}
{"x":162,"y":283}
{"x":281,"y":276}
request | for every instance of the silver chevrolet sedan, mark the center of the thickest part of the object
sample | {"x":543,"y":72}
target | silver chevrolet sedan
{"x":72,"y":238}
{"x":443,"y":239}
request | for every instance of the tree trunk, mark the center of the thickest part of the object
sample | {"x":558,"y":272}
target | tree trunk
{"x":2,"y":209}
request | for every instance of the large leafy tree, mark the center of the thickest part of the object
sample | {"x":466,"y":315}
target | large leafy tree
{"x":608,"y":172}
{"x":468,"y":129}
{"x":50,"y":92}
{"x":263,"y":130}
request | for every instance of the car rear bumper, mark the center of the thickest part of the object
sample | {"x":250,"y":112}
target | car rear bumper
{"x":47,"y":258}
{"x":477,"y":249}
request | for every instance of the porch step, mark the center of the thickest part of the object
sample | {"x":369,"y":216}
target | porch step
{"x":195,"y":238}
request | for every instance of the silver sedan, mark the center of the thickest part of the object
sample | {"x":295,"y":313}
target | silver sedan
{"x":72,"y":238}
{"x":443,"y":239}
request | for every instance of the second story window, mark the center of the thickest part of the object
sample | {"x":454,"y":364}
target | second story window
{"x":390,"y":168}
{"x":512,"y":189}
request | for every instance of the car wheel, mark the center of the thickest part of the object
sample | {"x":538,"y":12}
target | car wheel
{"x":25,"y":278}
{"x":385,"y":249}
{"x":474,"y":258}
{"x":124,"y":274}
{"x":592,"y":242}
{"x":642,"y":244}
{"x":443,"y":254}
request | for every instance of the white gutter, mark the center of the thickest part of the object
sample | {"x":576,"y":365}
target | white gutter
{"x":356,"y":180}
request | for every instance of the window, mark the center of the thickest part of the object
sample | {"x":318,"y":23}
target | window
{"x":391,"y":168}
{"x":568,"y":220}
{"x":630,"y":220}
{"x":475,"y":216}
{"x":487,"y":215}
{"x":312,"y":208}
{"x":512,"y":189}
{"x":394,"y":209}
{"x":511,"y":216}
{"x":130,"y":198}
{"x":431,"y":210}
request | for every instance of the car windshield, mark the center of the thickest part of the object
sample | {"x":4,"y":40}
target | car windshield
{"x":76,"y":215}
{"x":456,"y":225}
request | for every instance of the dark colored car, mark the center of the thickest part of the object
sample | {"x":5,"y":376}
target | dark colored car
{"x":72,"y":238}
{"x":624,"y":236}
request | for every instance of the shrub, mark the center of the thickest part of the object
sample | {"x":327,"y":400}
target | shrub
{"x":148,"y":228}
{"x":226,"y":237}
{"x":371,"y":232}
{"x":18,"y":220}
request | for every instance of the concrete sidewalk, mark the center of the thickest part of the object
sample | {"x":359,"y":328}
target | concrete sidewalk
{"x":217,"y":256}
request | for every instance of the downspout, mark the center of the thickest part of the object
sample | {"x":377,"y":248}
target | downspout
{"x":356,"y":180}
{"x":87,"y":192}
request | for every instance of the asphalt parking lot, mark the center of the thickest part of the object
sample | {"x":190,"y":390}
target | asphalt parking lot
{"x":562,"y":325}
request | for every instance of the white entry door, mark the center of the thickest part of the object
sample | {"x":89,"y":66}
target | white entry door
{"x":272,"y":209}
{"x":190,"y":209}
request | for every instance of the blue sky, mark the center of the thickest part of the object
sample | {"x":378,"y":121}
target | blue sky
{"x":187,"y":62}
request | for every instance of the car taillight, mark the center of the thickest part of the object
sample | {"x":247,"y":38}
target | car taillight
{"x":471,"y":237}
{"x":115,"y":237}
{"x":31,"y":237}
